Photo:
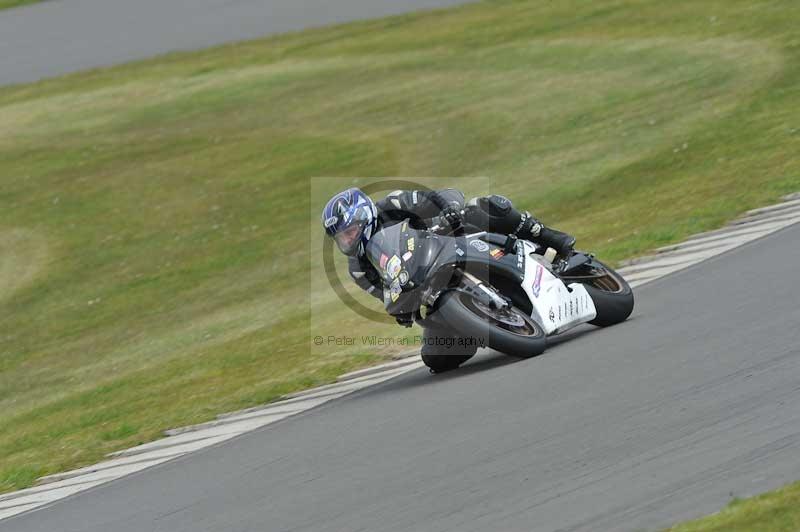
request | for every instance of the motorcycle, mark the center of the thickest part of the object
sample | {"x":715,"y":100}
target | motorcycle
{"x":490,"y":289}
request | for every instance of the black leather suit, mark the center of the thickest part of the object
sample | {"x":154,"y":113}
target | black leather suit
{"x":489,"y":213}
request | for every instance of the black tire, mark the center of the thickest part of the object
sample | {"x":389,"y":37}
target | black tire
{"x":442,"y":363}
{"x":612,"y":296}
{"x":461,"y":313}
{"x":442,"y":349}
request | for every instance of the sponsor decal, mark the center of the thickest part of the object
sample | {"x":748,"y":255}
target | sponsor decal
{"x":393,"y":267}
{"x":552,"y":315}
{"x":570,"y":307}
{"x":395,"y":290}
{"x":410,"y":244}
{"x":480,"y":245}
{"x":459,"y":252}
{"x":404,"y":227}
{"x":496,"y":254}
{"x":407,"y":255}
{"x":537,"y":281}
{"x":330,"y":222}
{"x":383,"y":260}
{"x":559,"y":313}
{"x":414,"y":197}
{"x":520,"y":256}
{"x":403,"y":278}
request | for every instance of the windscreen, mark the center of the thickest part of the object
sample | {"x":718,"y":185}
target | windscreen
{"x":385,"y":253}
{"x":402,"y":256}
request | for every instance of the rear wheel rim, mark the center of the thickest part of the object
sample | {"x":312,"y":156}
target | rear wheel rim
{"x":510,"y":319}
{"x":610,"y":282}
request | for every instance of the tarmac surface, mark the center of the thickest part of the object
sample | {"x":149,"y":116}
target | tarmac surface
{"x":57,"y":37}
{"x":668,"y":416}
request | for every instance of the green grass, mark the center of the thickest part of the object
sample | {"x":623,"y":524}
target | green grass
{"x":778,"y":511}
{"x":6,"y":4}
{"x":154,"y":258}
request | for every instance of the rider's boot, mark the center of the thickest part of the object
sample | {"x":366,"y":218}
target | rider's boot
{"x":532,"y":229}
{"x":499,"y":215}
{"x":563,"y":243}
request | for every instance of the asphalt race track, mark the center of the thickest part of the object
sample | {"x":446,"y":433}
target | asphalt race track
{"x":668,"y":416}
{"x":61,"y":36}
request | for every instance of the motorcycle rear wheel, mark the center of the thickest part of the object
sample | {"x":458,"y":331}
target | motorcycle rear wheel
{"x":612,"y":296}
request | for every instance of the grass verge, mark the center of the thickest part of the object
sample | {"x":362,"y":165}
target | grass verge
{"x":154,"y":258}
{"x":7,"y":4}
{"x":777,"y":511}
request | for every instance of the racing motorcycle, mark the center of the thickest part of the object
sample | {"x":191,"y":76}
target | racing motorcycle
{"x":495,"y":290}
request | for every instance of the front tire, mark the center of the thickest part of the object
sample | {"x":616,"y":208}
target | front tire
{"x":612,"y":296}
{"x":442,"y":363}
{"x":444,"y":351}
{"x":509,"y":331}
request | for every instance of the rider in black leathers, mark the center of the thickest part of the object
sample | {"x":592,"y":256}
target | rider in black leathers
{"x":424,"y":208}
{"x":489,"y":213}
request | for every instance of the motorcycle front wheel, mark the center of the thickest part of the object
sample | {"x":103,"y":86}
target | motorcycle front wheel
{"x":509,"y":330}
{"x":442,"y":351}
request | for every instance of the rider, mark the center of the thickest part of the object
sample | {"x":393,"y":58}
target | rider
{"x":351,"y":218}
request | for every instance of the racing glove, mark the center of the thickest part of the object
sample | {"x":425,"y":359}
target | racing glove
{"x":452,"y":217}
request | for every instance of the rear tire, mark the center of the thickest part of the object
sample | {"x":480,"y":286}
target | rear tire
{"x":471,"y":320}
{"x":612,"y":296}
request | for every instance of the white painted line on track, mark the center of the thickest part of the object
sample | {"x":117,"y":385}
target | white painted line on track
{"x":17,"y":510}
{"x":789,"y":204}
{"x":383,"y":367}
{"x":739,"y":224}
{"x":675,"y":262}
{"x":711,"y":241}
{"x":756,"y":223}
{"x":672,"y":259}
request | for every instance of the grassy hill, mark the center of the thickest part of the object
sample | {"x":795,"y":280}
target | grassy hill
{"x":6,"y":4}
{"x":155,"y":263}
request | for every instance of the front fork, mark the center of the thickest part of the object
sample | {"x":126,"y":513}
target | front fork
{"x":476,"y":289}
{"x":481,"y":292}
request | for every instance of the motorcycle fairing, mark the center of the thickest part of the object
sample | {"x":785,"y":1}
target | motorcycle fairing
{"x":490,"y":255}
{"x":436,"y":258}
{"x":556,"y":306}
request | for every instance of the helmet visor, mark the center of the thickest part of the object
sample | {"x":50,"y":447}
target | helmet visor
{"x":349,"y":238}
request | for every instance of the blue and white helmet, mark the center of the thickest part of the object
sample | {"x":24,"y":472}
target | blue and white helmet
{"x":350,"y":218}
